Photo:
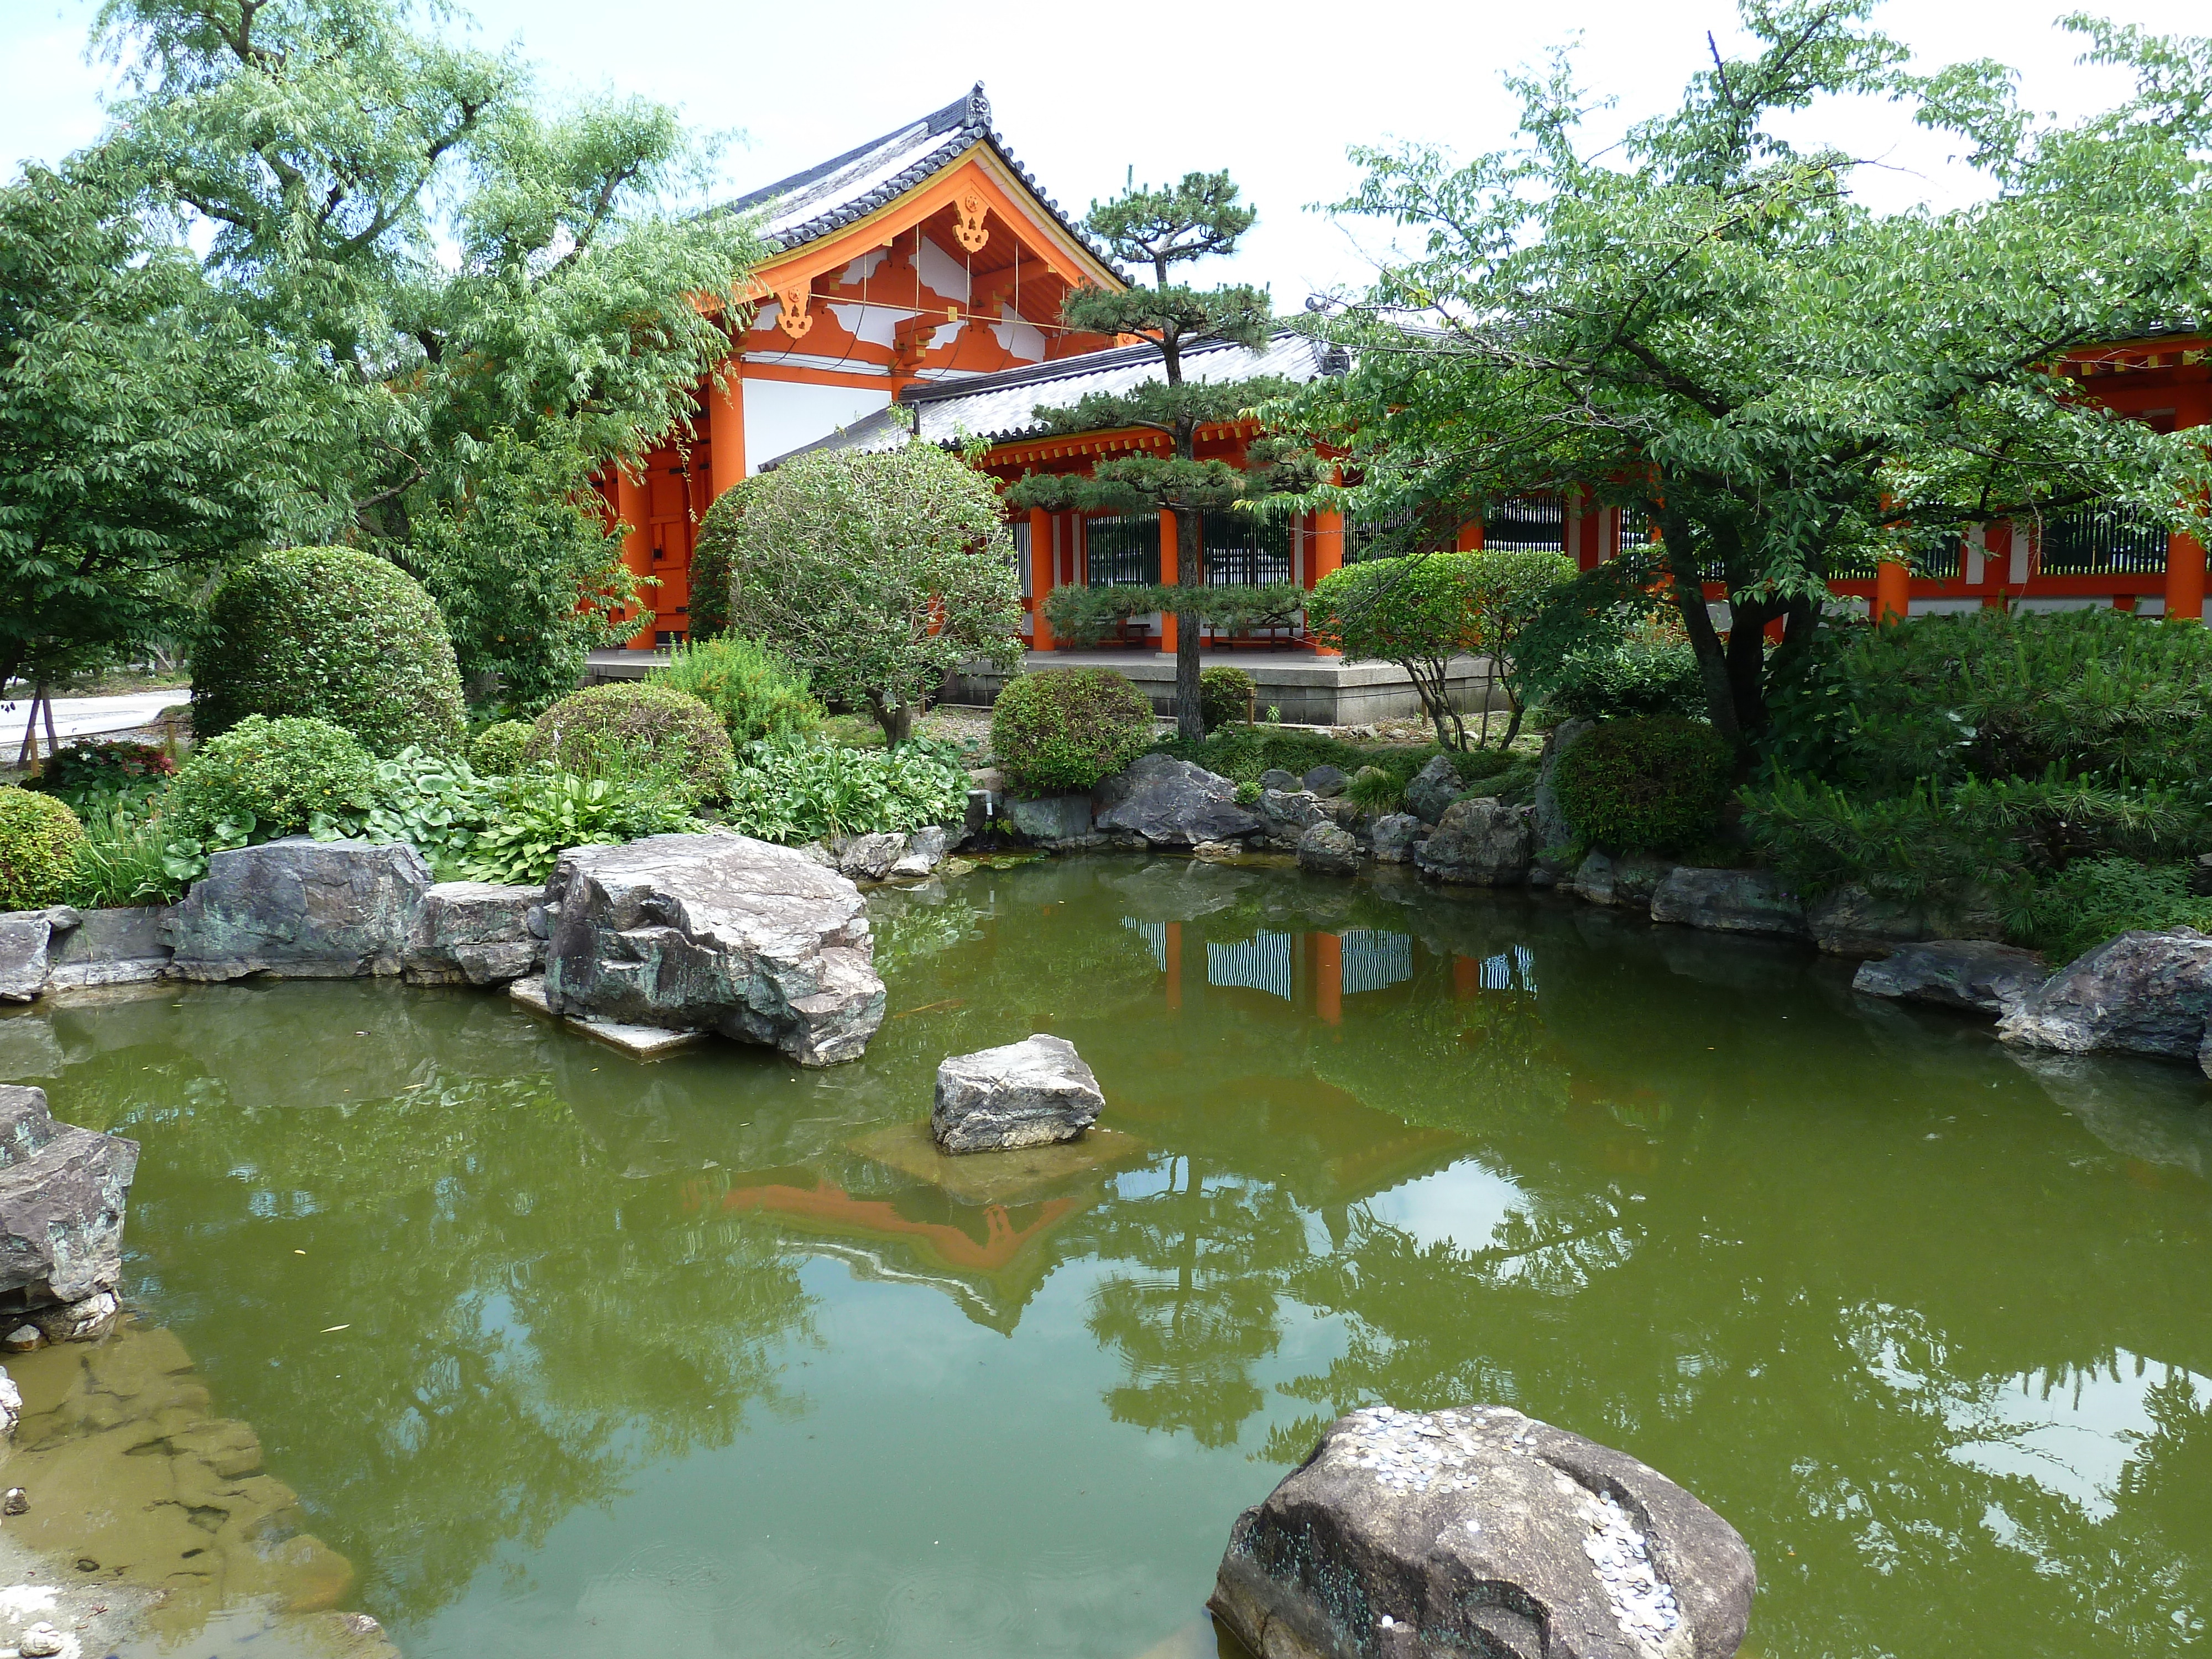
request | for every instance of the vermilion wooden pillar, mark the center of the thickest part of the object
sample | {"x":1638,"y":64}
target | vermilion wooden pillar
{"x":2185,"y":555}
{"x":726,"y":434}
{"x":1892,"y":591}
{"x":1328,"y":977}
{"x":1470,"y":537}
{"x":1041,"y":560}
{"x":1324,"y":555}
{"x":1168,"y":618}
{"x":633,"y":505}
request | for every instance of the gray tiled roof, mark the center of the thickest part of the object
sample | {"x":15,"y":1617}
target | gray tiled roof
{"x":1002,"y":407}
{"x":813,"y":205}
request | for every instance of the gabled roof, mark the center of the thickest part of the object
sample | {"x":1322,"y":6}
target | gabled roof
{"x":1001,"y":407}
{"x":824,"y":199}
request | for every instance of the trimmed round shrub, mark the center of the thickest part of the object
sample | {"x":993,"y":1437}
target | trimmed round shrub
{"x":1063,"y":729}
{"x":497,"y":749}
{"x":637,"y":731}
{"x":757,"y":693}
{"x":1656,"y":782}
{"x":266,"y":778}
{"x":331,"y":634}
{"x":707,"y":609}
{"x":1225,"y":696}
{"x":38,"y":841}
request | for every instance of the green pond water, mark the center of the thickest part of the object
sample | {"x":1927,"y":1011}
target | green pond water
{"x":710,"y":1357}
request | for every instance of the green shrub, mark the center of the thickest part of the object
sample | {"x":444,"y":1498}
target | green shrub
{"x":1657,"y":782}
{"x":790,"y":791}
{"x":755,"y":693}
{"x":708,"y":609}
{"x":436,"y":805}
{"x":330,"y":634}
{"x":1248,"y":794}
{"x":1225,"y":696}
{"x":497,"y":749}
{"x":1649,"y":669}
{"x":540,"y":812}
{"x":1064,"y":729}
{"x":2081,"y":907}
{"x":637,"y":732}
{"x":266,"y":778}
{"x":40,"y":839}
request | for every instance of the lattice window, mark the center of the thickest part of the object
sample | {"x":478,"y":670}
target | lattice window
{"x":1241,"y":548}
{"x":1123,"y":550}
{"x":2102,"y":539}
{"x":1526,"y":524}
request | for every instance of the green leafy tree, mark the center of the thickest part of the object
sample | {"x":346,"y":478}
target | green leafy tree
{"x":1197,"y":219}
{"x":1704,"y":323}
{"x":875,"y":574}
{"x":496,"y":300}
{"x":139,"y":432}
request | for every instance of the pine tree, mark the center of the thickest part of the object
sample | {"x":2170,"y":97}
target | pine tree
{"x":1197,"y":219}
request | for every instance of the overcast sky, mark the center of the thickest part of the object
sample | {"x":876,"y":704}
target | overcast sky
{"x":1083,"y":93}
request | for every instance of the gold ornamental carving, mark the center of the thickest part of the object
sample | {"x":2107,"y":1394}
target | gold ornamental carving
{"x":971,"y":233}
{"x":791,"y":305}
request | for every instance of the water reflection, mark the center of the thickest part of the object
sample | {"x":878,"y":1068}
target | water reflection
{"x":1929,"y":1323}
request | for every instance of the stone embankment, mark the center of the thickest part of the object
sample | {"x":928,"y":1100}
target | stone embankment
{"x":1407,"y":1534}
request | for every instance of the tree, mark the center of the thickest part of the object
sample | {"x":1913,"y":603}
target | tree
{"x":496,"y":301}
{"x":876,"y":574}
{"x":140,"y":434}
{"x":1702,"y":323}
{"x":1423,"y":611}
{"x":1164,"y":229}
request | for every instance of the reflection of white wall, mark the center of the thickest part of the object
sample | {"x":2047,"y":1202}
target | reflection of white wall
{"x":781,"y":415}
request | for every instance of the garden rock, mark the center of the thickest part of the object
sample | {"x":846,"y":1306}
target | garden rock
{"x":1326,"y":779}
{"x":1328,"y":849}
{"x":1173,"y":803}
{"x":1276,"y":778}
{"x":62,"y":1191}
{"x":1628,"y":881}
{"x":299,"y":908}
{"x":1729,"y":902}
{"x":1554,"y":832}
{"x":24,"y":939}
{"x":476,"y":933}
{"x":870,"y":857}
{"x":1028,"y":1093}
{"x":121,"y":946}
{"x":1479,"y":1530}
{"x":1954,"y":973}
{"x":1285,"y":815}
{"x":1051,"y":819}
{"x":1850,"y":921}
{"x":1395,"y":836}
{"x":2142,"y":994}
{"x":719,"y":932}
{"x":925,"y":850}
{"x":1482,"y":841}
{"x":1433,"y":788}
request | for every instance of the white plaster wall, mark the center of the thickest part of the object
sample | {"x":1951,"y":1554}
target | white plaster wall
{"x":781,"y":415}
{"x":942,"y":272}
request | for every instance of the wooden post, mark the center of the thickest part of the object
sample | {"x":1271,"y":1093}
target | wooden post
{"x":1326,"y":555}
{"x":1168,"y":618}
{"x":1470,"y":537}
{"x":726,"y":433}
{"x":633,"y":505}
{"x":1892,"y":591}
{"x":2185,"y":578}
{"x":1041,"y":577}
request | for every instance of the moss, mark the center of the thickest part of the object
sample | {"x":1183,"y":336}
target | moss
{"x":40,"y":838}
{"x":636,"y":732}
{"x":330,"y":634}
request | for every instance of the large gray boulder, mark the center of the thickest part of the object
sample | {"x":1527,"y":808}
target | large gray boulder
{"x":1326,"y":780}
{"x":299,"y":908}
{"x":1850,"y":921}
{"x":1328,"y":849}
{"x":1481,"y":841}
{"x":1627,"y":880}
{"x":474,"y":932}
{"x":1554,"y":834}
{"x":62,"y":1192}
{"x":123,"y":946}
{"x":1481,"y":1531}
{"x":1287,"y":814}
{"x":870,"y":857}
{"x":27,"y":939}
{"x":1172,"y":803}
{"x":1729,"y":902}
{"x":1954,"y":973}
{"x":1029,"y":1093}
{"x":1433,"y":788}
{"x":1396,"y":835}
{"x":1050,"y":819}
{"x":714,"y":932}
{"x":2141,"y":994}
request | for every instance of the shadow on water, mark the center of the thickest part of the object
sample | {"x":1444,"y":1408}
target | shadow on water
{"x":726,"y":1352}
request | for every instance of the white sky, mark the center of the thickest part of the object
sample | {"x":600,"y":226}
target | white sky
{"x":1082,"y":92}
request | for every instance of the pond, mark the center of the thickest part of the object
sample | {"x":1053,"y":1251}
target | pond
{"x":565,"y":1353}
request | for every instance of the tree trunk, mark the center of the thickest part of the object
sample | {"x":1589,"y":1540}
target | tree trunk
{"x":1689,"y":595}
{"x":1190,"y":528}
{"x":895,"y":719}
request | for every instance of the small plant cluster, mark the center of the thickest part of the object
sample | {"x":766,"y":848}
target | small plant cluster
{"x":85,"y":773}
{"x":755,"y":693}
{"x":787,"y":791}
{"x":1063,"y":730}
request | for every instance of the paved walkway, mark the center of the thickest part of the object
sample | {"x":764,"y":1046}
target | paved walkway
{"x":85,"y":717}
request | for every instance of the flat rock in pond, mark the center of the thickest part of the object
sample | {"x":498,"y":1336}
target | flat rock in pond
{"x":1009,"y":1177}
{"x":61,"y":1192}
{"x":1172,"y":803}
{"x":1409,"y":1534}
{"x":1024,"y":1094}
{"x":1729,"y":902}
{"x":2141,"y":994}
{"x":1954,"y":973}
{"x":300,"y":908}
{"x":714,"y":932}
{"x":638,"y":1041}
{"x":121,"y":946}
{"x":474,"y":932}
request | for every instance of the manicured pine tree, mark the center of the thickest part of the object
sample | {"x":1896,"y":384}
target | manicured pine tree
{"x":1195,"y":220}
